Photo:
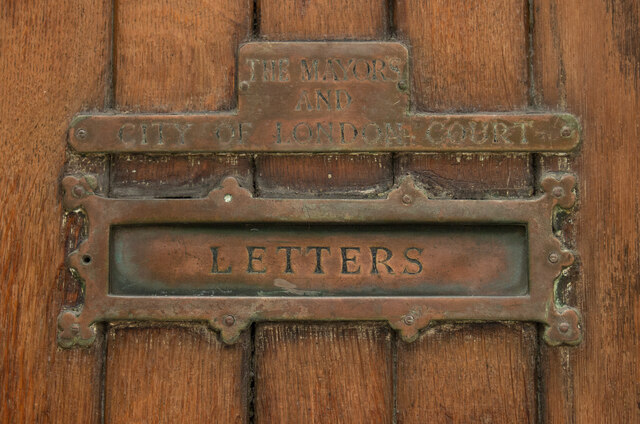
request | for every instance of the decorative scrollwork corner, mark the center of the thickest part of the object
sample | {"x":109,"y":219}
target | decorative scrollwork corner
{"x":78,"y":188}
{"x":406,"y":193}
{"x":561,"y":190}
{"x":74,"y":331}
{"x":230,"y":327}
{"x":564,"y":326}
{"x":410,"y":324}
{"x":229,"y":191}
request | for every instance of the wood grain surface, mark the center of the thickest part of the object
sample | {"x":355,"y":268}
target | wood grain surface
{"x":331,"y":175}
{"x":175,"y":374}
{"x":175,"y":56}
{"x":178,"y":55}
{"x":323,"y":20}
{"x":53,"y":64}
{"x":588,"y":60}
{"x":467,"y":56}
{"x":473,"y":373}
{"x":468,"y":176}
{"x":176,"y":175}
{"x":324,"y":373}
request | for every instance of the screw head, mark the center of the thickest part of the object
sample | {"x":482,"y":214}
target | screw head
{"x":563,"y":327}
{"x":406,"y":199}
{"x":557,"y":192}
{"x":244,"y":86}
{"x":566,"y":132}
{"x":78,"y":191}
{"x":408,"y":319}
{"x":81,"y":133}
{"x":229,"y":320}
{"x":402,"y":85}
{"x":554,"y":257}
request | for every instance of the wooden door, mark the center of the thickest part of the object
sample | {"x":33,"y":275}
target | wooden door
{"x":62,"y":57}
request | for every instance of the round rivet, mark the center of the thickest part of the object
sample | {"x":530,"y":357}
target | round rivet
{"x":229,"y":320}
{"x":566,"y":132}
{"x":554,"y":257}
{"x":406,"y":199}
{"x":402,"y":85}
{"x":557,"y":192}
{"x":81,"y":133}
{"x":79,"y":191}
{"x":244,"y":86}
{"x":563,"y":327}
{"x":228,"y":198}
{"x":408,"y":319}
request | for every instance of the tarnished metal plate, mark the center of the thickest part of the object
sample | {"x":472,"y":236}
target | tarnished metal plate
{"x":231,"y":259}
{"x":324,"y":97}
{"x":319,"y":260}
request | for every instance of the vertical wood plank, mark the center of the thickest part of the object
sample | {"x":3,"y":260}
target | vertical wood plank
{"x":178,"y":55}
{"x":174,"y":375}
{"x":588,"y":60}
{"x":177,"y":175}
{"x":332,"y":372}
{"x":323,"y":20}
{"x":469,"y":176}
{"x":469,"y":374}
{"x":327,"y":175}
{"x":548,"y":68}
{"x":468,"y":56}
{"x":53,"y":64}
{"x":323,"y":373}
{"x":175,"y":56}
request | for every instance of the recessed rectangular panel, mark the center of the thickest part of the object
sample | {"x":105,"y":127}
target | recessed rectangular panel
{"x":319,"y":260}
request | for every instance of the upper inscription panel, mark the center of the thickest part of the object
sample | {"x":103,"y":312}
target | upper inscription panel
{"x":323,"y":97}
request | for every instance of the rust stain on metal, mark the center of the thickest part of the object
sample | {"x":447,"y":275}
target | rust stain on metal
{"x":324,"y":97}
{"x":231,"y":259}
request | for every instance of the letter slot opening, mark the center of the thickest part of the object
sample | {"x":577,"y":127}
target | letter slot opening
{"x":319,"y":260}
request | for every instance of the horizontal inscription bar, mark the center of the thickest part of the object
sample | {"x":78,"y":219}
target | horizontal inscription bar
{"x":224,"y":133}
{"x":324,"y":97}
{"x":320,"y":260}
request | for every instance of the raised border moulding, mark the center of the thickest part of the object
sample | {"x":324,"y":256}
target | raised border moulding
{"x":231,"y":259}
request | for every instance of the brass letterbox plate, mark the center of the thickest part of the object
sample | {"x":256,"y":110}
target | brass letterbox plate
{"x":324,"y":97}
{"x":231,"y":259}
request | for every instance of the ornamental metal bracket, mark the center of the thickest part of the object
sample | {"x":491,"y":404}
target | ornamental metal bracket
{"x":231,"y":259}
